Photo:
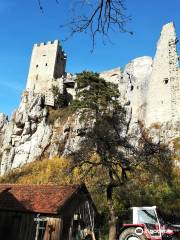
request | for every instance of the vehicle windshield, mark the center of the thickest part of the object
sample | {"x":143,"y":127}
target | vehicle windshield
{"x":149,"y":218}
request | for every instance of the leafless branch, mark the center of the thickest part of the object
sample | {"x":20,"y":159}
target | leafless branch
{"x":96,"y":18}
{"x":40,"y":6}
{"x":103,"y":16}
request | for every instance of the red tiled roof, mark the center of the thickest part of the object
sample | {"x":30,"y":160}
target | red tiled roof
{"x":35,"y":198}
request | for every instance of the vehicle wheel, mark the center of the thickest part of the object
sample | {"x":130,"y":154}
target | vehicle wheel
{"x":130,"y":234}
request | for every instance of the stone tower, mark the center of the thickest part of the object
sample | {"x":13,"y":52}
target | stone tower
{"x":48,"y":63}
{"x":163,"y":95}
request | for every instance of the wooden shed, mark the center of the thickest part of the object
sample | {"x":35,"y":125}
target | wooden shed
{"x":45,"y":212}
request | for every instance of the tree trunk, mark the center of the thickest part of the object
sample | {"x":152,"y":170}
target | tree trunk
{"x":112,"y":215}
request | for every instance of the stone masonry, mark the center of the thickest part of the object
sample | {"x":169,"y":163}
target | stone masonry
{"x":163,"y":95}
{"x":149,"y":90}
{"x":149,"y":86}
{"x":48,"y":63}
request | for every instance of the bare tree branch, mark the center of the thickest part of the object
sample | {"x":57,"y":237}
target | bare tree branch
{"x":96,"y":17}
{"x":103,"y":17}
{"x":40,"y":6}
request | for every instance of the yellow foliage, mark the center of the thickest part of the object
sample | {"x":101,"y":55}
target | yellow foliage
{"x":96,"y":180}
{"x":59,"y":171}
{"x":156,"y":125}
{"x":95,"y":157}
{"x":176,"y":143}
{"x":56,"y":170}
{"x":62,"y":114}
{"x":142,"y":187}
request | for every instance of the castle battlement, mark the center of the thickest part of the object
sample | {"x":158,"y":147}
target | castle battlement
{"x":57,"y":42}
{"x":48,"y":62}
{"x":50,"y":43}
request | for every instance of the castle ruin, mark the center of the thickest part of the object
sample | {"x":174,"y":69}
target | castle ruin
{"x":163,"y":95}
{"x":47,"y":67}
{"x":150,"y":85}
{"x":149,"y":90}
{"x":48,"y":62}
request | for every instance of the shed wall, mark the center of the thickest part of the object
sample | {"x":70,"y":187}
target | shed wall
{"x":21,"y":226}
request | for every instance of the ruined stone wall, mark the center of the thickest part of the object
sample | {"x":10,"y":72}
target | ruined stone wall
{"x":163,"y":87}
{"x":150,"y":88}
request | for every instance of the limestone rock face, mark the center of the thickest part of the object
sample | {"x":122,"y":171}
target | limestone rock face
{"x":29,"y":135}
{"x":26,"y":135}
{"x":3,"y":123}
{"x":78,"y":132}
{"x":136,"y":75}
{"x":3,"y":120}
{"x":113,"y":75}
{"x":149,"y":91}
{"x":165,"y":132}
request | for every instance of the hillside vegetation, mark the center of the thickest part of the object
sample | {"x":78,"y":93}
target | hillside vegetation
{"x":117,"y":173}
{"x":141,"y":190}
{"x":56,"y":171}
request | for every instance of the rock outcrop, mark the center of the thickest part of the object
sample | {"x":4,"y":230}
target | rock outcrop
{"x":26,"y":134}
{"x":31,"y":134}
{"x":149,"y":90}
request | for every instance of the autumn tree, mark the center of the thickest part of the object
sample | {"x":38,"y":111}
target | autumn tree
{"x":104,"y":149}
{"x":107,"y":155}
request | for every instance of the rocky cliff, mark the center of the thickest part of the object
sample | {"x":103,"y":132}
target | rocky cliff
{"x":40,"y":127}
{"x":36,"y":131}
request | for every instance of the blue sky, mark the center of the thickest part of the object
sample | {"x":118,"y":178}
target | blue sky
{"x":22,"y":24}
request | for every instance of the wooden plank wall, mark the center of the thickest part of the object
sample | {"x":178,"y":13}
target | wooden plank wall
{"x":17,"y":226}
{"x":21,"y":226}
{"x":53,"y":229}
